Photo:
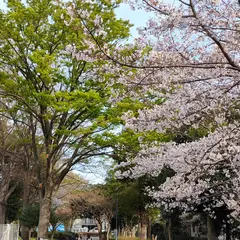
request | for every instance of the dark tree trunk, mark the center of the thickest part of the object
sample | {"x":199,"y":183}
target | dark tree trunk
{"x":228,"y":231}
{"x":169,"y":229}
{"x":25,"y":232}
{"x":149,"y":233}
{"x":44,"y":217}
{"x":103,"y":236}
{"x":2,"y":213}
{"x":211,"y":234}
{"x":99,"y":226}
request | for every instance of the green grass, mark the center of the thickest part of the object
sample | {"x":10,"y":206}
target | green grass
{"x":19,"y":238}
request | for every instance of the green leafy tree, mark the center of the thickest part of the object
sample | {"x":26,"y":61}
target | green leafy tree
{"x":55,"y":81}
{"x":30,"y":217}
{"x":14,"y":204}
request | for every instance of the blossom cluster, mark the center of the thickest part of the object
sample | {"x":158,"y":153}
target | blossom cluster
{"x":193,"y":68}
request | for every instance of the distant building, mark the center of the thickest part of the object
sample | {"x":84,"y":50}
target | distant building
{"x":86,"y":225}
{"x":83,"y":225}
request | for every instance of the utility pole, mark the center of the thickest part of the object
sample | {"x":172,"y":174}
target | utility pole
{"x":116,"y":217}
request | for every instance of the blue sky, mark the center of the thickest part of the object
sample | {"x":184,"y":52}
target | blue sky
{"x":138,"y":17}
{"x":2,"y":4}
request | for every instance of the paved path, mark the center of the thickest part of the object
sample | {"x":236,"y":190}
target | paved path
{"x":92,"y":237}
{"x":95,"y":238}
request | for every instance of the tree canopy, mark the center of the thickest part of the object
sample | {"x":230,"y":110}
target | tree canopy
{"x":192,"y":66}
{"x":54,"y":81}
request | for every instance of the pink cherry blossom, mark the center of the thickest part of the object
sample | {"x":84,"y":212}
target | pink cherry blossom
{"x":194,"y":67}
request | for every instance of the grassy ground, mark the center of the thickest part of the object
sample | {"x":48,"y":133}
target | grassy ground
{"x":31,"y":238}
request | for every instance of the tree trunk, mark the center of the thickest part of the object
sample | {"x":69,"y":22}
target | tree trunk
{"x":211,"y":233}
{"x":133,"y":231}
{"x":108,"y":233}
{"x":142,"y":228}
{"x":2,"y":213}
{"x":44,"y":217}
{"x":122,"y":232}
{"x":100,"y":233}
{"x":29,"y":233}
{"x":144,"y":231}
{"x":103,"y":236}
{"x":108,"y":229}
{"x":228,"y":231}
{"x":25,"y":233}
{"x":169,"y":229}
{"x":149,"y":228}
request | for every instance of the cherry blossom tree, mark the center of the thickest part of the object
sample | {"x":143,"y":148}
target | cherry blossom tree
{"x":193,"y":67}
